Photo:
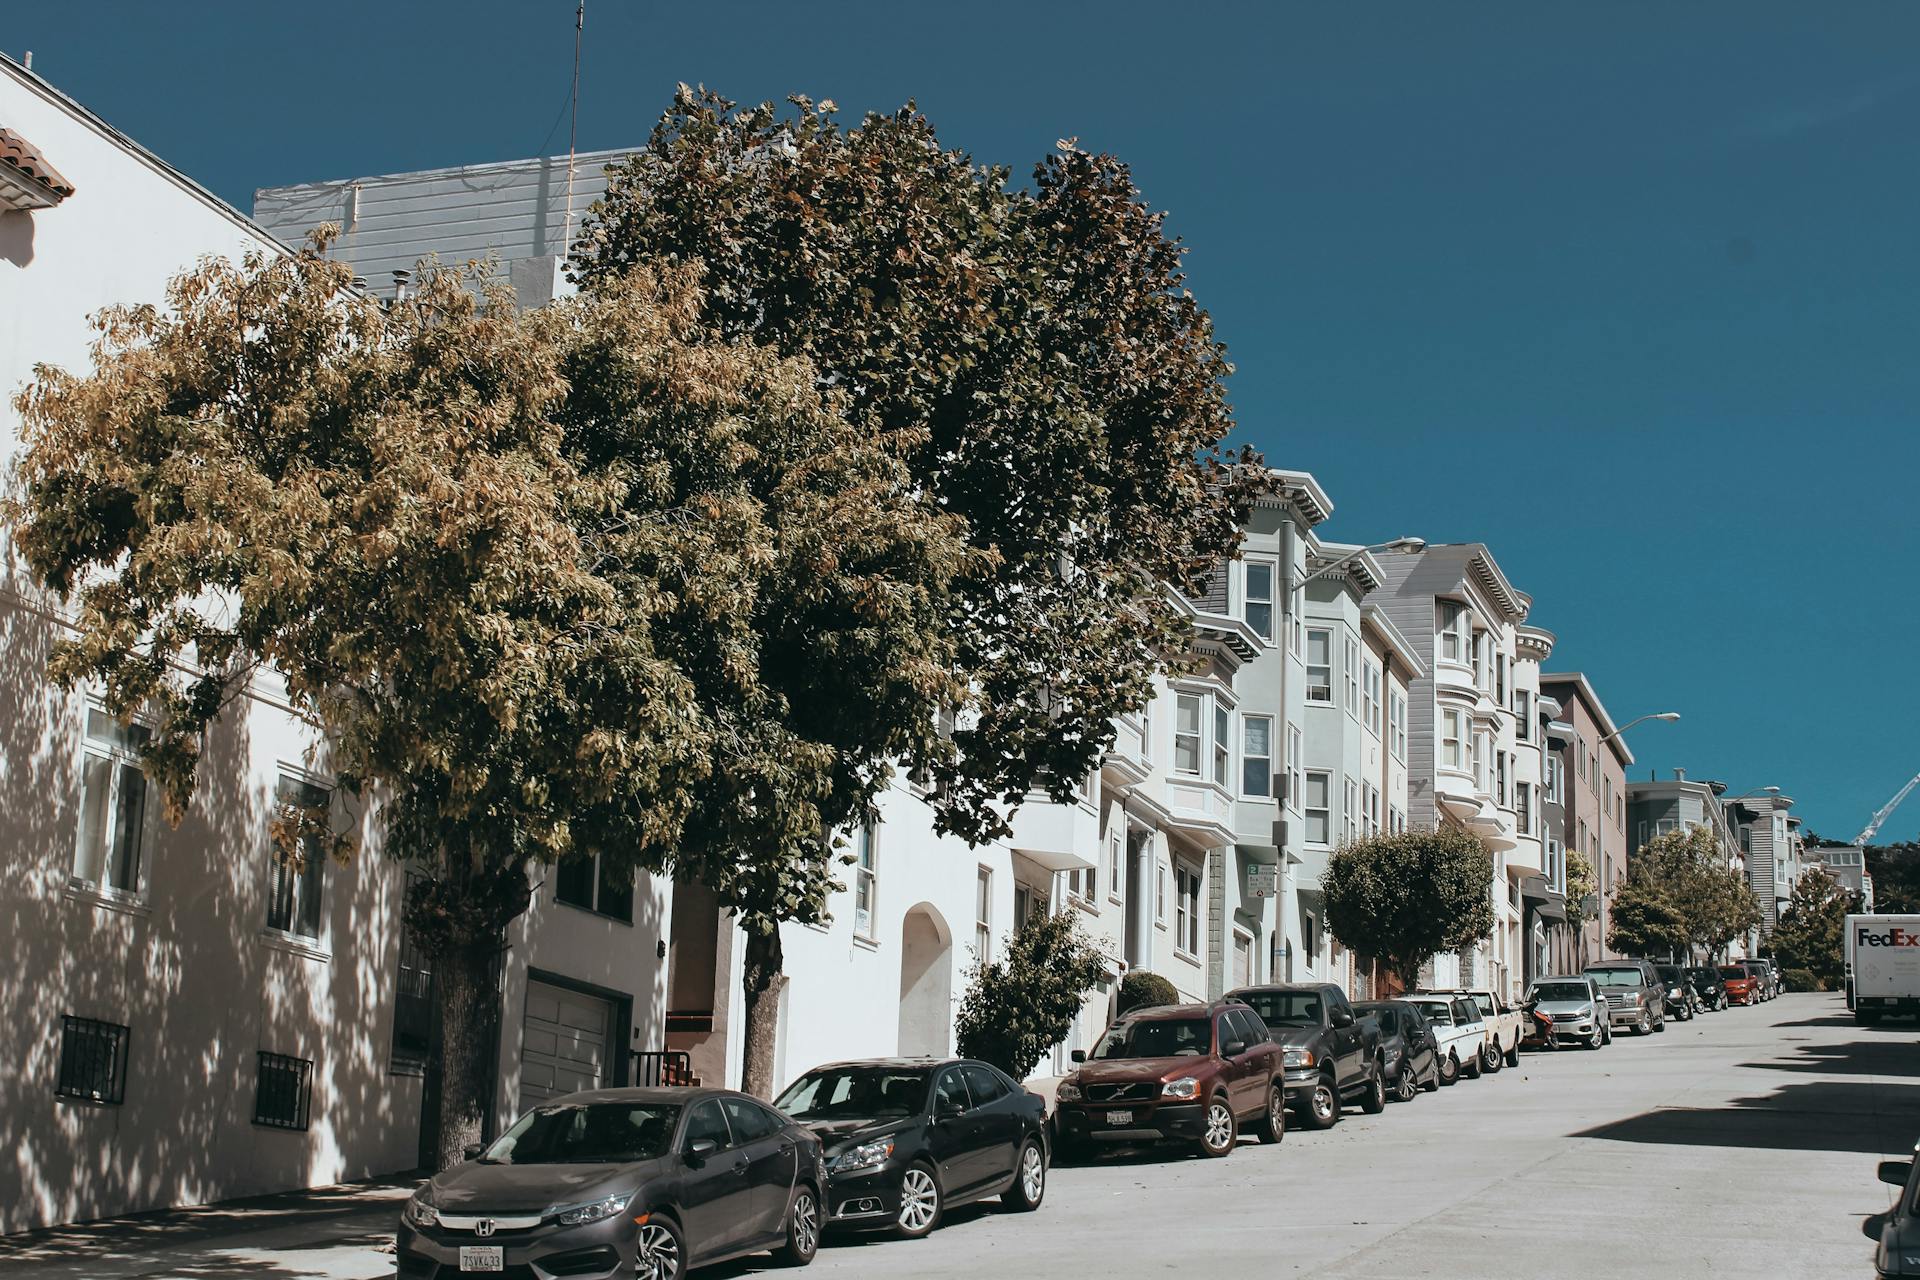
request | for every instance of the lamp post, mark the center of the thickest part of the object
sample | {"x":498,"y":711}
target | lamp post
{"x":1408,"y":546}
{"x":1668,"y":716}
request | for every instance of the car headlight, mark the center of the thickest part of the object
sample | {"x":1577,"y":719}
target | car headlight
{"x":1067,"y":1092}
{"x":592,"y":1211}
{"x":1184,"y":1087}
{"x":864,"y":1156}
{"x":420,"y":1211}
{"x":1297,"y":1058}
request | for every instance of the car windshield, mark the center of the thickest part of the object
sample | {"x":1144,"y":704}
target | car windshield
{"x":1284,"y":1008}
{"x":1702,"y":975}
{"x":855,"y":1093}
{"x":1615,"y":977}
{"x":1733,"y":971}
{"x":1157,"y":1038}
{"x":1484,"y":1003}
{"x":1669,"y":973}
{"x":1562,"y":991}
{"x":588,"y":1133}
{"x":1440,"y":1011}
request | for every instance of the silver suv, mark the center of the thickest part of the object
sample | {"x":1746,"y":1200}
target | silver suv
{"x":1636,"y":997}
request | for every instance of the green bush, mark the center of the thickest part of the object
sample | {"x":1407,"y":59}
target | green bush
{"x":1025,"y":1002}
{"x":1142,"y":989}
{"x":1801,"y":980}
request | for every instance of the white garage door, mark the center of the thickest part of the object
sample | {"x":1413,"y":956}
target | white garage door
{"x":564,"y":1045}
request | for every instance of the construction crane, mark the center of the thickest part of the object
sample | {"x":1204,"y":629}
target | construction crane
{"x":1886,"y":811}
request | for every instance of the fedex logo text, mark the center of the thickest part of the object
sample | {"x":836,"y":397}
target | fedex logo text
{"x":1894,"y":937}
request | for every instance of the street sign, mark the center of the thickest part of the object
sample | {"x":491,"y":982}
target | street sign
{"x":1263,"y":879}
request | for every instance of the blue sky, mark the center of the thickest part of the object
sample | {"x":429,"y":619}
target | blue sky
{"x":1627,"y":291}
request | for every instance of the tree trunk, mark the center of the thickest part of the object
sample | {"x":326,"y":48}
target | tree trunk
{"x":469,"y":1004}
{"x":761,"y":980}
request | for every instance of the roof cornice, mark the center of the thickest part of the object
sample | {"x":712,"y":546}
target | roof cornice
{"x":1583,"y":689}
{"x":1297,"y":489}
{"x":1534,"y":642}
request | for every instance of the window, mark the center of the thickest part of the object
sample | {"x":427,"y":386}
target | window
{"x":93,"y":1060}
{"x":1482,"y":654}
{"x":749,"y":1120}
{"x":113,"y":805}
{"x":1350,"y":673}
{"x":1319,"y":665}
{"x":1397,"y":722}
{"x":706,"y":1122}
{"x":1396,"y":819}
{"x":1580,"y":761}
{"x":1256,"y":757}
{"x":1294,"y":766}
{"x":1522,"y":715}
{"x":1500,"y":678}
{"x":1259,"y":598}
{"x":1481,"y":764}
{"x":1350,"y":812}
{"x":1025,"y":903}
{"x":1186,"y":910}
{"x":985,"y":1085}
{"x":1450,"y":620}
{"x":1310,"y":937}
{"x":1186,"y":734}
{"x":1556,"y":865}
{"x":1660,"y":828}
{"x":1554,"y":768}
{"x":1593,"y":772}
{"x":592,"y":883}
{"x":1523,"y":808}
{"x":1160,"y":893}
{"x":1369,"y":809}
{"x":1370,"y":698}
{"x":293,"y":894}
{"x":1117,"y":865}
{"x":866,"y":879}
{"x":1296,"y":599}
{"x":983,"y":915}
{"x":1318,"y":807}
{"x":282,"y":1091}
{"x":1500,"y":778}
{"x":1222,"y":744}
{"x":1452,"y":740}
{"x":413,"y":1006}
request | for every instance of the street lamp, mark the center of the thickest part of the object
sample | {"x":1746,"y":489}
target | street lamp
{"x":1409,"y":546}
{"x":1668,"y":716}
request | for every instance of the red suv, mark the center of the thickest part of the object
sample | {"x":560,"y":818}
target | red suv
{"x":1185,"y":1073}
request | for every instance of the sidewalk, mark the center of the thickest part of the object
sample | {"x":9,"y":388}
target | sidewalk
{"x":330,"y":1233}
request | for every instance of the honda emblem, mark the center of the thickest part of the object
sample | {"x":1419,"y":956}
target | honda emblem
{"x":483,"y":1228}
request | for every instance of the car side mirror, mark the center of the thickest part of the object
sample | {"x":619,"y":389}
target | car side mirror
{"x":948,"y":1109}
{"x":472,"y":1150}
{"x":699,"y":1149}
{"x":1078,"y":1055}
{"x":1896,"y":1172}
{"x":1342,"y":1017}
{"x":1234,"y":1048}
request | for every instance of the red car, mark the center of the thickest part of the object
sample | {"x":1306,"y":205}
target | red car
{"x":1742,"y":987}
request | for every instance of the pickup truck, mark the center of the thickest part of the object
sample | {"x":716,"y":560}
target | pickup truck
{"x":1506,"y":1025}
{"x":1461,"y":1034}
{"x":1332,"y":1054}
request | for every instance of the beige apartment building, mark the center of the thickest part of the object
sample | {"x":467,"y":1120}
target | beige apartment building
{"x":1592,"y":781}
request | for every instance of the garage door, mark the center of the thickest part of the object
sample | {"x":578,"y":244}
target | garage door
{"x":564,"y":1045}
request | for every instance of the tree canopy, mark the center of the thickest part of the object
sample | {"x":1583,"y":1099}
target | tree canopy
{"x":1679,"y":894}
{"x":1810,"y":933}
{"x":1409,"y":896}
{"x":1021,"y":1004}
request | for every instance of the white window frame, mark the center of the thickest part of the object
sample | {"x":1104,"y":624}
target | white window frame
{"x":118,"y":750}
{"x":1500,"y":778}
{"x":1397,"y":723}
{"x":1117,"y":865}
{"x":1296,"y":766}
{"x":1270,"y":600}
{"x":1324,"y":809}
{"x":1222,"y":743}
{"x":1451,"y":623}
{"x":1183,"y":699}
{"x":1523,"y":715}
{"x":1350,"y":810}
{"x":1256,"y":765}
{"x":983,"y":914}
{"x":1186,"y":909}
{"x":866,"y":879}
{"x":1453,"y":743}
{"x":1350,"y":673}
{"x":1371,"y":682}
{"x":1369,"y":810}
{"x":310,"y":886}
{"x":1320,"y":695}
{"x":1160,"y":893}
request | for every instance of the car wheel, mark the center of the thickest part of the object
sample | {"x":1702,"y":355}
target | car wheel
{"x":1471,"y":1067}
{"x":1374,"y":1100}
{"x":1661,"y":1025}
{"x":1322,"y":1108}
{"x":661,"y":1254}
{"x":1491,"y":1059}
{"x":1449,"y":1070}
{"x":919,"y":1202}
{"x":1644,"y":1027}
{"x":1029,"y":1180}
{"x":1221,"y":1129}
{"x":1597,"y":1039}
{"x":1513,"y":1055}
{"x":803,"y":1230}
{"x":1404,"y":1085}
{"x":1273,"y":1121}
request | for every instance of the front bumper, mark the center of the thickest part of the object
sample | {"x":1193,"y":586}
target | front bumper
{"x":586,"y":1252}
{"x":866,"y":1197}
{"x":1300,"y":1082}
{"x":1628,"y":1015}
{"x":1144,"y":1122}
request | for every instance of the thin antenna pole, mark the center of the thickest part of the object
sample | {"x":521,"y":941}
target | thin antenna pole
{"x":573,"y":127}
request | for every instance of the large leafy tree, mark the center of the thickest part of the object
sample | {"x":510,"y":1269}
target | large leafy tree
{"x":1030,"y":354}
{"x":1895,"y":869}
{"x":1406,"y":897}
{"x":1680,"y":894}
{"x":1021,"y":1004}
{"x":1810,"y":933}
{"x":556,"y":583}
{"x":1645,"y":919}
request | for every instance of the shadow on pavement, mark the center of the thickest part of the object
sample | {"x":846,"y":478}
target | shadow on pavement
{"x":1827,"y":1115}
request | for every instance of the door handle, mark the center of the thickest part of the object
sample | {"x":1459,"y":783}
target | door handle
{"x":740,"y":1165}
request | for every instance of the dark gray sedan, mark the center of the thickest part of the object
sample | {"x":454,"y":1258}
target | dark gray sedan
{"x":628,"y":1182}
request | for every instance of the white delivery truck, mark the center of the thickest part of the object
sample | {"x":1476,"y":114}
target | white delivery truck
{"x":1883,"y":965}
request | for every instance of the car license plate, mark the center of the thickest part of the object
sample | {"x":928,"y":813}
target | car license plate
{"x":482,"y":1257}
{"x":1119,"y":1117}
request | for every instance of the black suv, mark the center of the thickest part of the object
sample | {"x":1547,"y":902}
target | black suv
{"x":1712,"y":991}
{"x":1683,"y":1001}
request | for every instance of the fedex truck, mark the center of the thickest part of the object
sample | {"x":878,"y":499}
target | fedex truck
{"x":1883,"y":965}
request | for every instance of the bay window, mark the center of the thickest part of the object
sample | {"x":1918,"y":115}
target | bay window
{"x":1187,"y":729}
{"x":1320,"y":665}
{"x":1257,"y":605}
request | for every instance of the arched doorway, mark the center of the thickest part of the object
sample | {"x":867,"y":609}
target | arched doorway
{"x":926,"y":983}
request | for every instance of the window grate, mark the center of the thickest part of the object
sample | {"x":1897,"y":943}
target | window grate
{"x":93,"y":1060}
{"x":282,"y":1091}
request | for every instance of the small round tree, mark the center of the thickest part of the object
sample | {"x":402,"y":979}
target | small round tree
{"x":1142,"y":989}
{"x":1024,"y":1003}
{"x":1407,"y":896}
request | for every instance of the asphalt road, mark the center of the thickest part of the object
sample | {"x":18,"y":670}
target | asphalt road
{"x":1742,"y":1144}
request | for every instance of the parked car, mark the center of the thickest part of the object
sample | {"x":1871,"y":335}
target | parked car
{"x":1188,"y":1073}
{"x":1776,"y":977}
{"x":1635,"y":996}
{"x":906,"y":1139}
{"x":1575,"y":1011}
{"x":1683,"y":1002}
{"x":1332,"y":1054}
{"x":645,"y":1182}
{"x":1505,"y":1024}
{"x":1898,"y":1250}
{"x":1762,"y":978}
{"x":1409,"y":1053}
{"x":1706,"y":981}
{"x":1740,"y":983}
{"x":1459,"y":1033}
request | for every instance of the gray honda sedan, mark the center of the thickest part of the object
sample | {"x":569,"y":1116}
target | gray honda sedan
{"x":621,"y":1182}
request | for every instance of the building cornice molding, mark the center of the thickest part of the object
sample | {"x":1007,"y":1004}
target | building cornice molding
{"x":1299,"y":490}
